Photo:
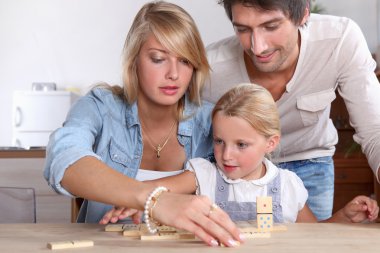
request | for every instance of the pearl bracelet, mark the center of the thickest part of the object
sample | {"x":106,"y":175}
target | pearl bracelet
{"x":153,"y":197}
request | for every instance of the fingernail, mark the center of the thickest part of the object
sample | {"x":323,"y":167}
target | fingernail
{"x":214,"y":243}
{"x":233,"y":243}
{"x":242,"y":237}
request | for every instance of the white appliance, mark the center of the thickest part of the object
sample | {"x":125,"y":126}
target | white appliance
{"x":36,"y":114}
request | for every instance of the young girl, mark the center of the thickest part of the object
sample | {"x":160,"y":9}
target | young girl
{"x":246,"y":130}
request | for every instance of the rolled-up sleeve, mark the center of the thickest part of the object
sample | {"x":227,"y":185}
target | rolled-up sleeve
{"x":360,"y":89}
{"x":74,"y":140}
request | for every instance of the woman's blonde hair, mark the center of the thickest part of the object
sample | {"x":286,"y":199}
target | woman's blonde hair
{"x":254,"y":104}
{"x":175,"y":30}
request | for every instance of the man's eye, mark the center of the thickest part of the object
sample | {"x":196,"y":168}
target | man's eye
{"x":271,"y":27}
{"x":241,"y":29}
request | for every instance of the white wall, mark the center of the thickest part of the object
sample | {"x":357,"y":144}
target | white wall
{"x":76,"y":43}
{"x":364,"y":12}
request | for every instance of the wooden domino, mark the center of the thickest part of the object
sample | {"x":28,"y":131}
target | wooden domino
{"x":160,"y":236}
{"x":264,"y":222}
{"x":131,"y":230}
{"x":70,"y":244}
{"x":114,"y":228}
{"x":253,"y":235}
{"x":264,"y":204}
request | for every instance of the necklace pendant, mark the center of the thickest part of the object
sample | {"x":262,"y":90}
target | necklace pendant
{"x":158,"y":149}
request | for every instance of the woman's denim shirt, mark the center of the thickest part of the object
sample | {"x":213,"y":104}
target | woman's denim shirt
{"x":102,"y":125}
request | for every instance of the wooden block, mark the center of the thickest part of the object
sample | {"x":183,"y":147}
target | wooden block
{"x":264,"y":222}
{"x":60,"y":245}
{"x":83,"y":243}
{"x":166,"y":229}
{"x":70,"y":244}
{"x":160,"y":236}
{"x":114,"y":228}
{"x":186,"y":235}
{"x":144,"y":229}
{"x":131,"y":230}
{"x":252,"y":235}
{"x":264,"y":205}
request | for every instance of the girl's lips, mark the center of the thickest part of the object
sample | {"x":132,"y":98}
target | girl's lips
{"x":169,"y":90}
{"x":228,"y":168}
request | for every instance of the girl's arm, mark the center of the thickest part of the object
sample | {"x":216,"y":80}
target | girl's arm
{"x":305,"y":215}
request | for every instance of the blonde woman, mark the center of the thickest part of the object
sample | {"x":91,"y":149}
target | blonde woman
{"x":114,"y":137}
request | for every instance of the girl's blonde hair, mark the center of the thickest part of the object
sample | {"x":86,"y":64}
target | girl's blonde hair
{"x":175,"y":30}
{"x":254,"y":104}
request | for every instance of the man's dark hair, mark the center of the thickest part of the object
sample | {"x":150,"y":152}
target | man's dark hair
{"x":293,"y":9}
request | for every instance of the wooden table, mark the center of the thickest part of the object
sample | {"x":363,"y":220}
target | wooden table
{"x":303,"y":238}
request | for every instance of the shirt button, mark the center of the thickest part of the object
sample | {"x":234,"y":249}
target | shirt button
{"x":114,"y":156}
{"x":221,"y":204}
{"x":275,"y":206}
{"x":274,"y":189}
{"x":221,"y":188}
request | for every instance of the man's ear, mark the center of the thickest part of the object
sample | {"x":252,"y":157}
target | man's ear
{"x":272,"y":143}
{"x":306,"y":15}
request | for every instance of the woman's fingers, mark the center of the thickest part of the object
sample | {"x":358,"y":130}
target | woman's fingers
{"x":198,"y":215}
{"x":107,"y":217}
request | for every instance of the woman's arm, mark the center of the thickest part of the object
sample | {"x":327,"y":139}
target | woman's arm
{"x":181,"y":183}
{"x":91,"y":179}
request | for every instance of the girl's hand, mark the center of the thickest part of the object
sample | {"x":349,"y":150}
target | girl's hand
{"x":361,"y":208}
{"x":119,"y":213}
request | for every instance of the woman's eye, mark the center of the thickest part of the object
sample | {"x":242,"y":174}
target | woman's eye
{"x":185,"y":61}
{"x":218,"y":142}
{"x":157,"y":60}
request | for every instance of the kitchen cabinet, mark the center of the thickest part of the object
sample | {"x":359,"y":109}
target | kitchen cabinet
{"x":24,"y":168}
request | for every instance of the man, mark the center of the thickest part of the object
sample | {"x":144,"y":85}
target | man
{"x":302,"y":59}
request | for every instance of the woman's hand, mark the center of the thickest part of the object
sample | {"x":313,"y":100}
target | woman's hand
{"x":198,"y":215}
{"x":361,"y":208}
{"x":119,"y":213}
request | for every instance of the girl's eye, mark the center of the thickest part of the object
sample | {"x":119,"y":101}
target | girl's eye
{"x":242,"y":145}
